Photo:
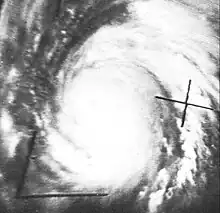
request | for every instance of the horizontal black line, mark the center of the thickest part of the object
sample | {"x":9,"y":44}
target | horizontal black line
{"x":61,"y":195}
{"x":80,"y":195}
{"x":182,"y":102}
{"x":172,"y":100}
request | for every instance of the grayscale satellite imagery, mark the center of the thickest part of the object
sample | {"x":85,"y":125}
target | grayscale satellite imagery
{"x":109,"y":106}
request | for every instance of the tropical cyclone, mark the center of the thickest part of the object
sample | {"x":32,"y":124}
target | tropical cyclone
{"x":78,"y":81}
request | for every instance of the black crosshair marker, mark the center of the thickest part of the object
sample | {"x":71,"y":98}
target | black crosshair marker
{"x":46,"y":195}
{"x":186,"y":103}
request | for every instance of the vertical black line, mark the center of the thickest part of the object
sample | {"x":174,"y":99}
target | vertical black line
{"x":186,"y":104}
{"x":184,"y":115}
{"x":31,"y":147}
